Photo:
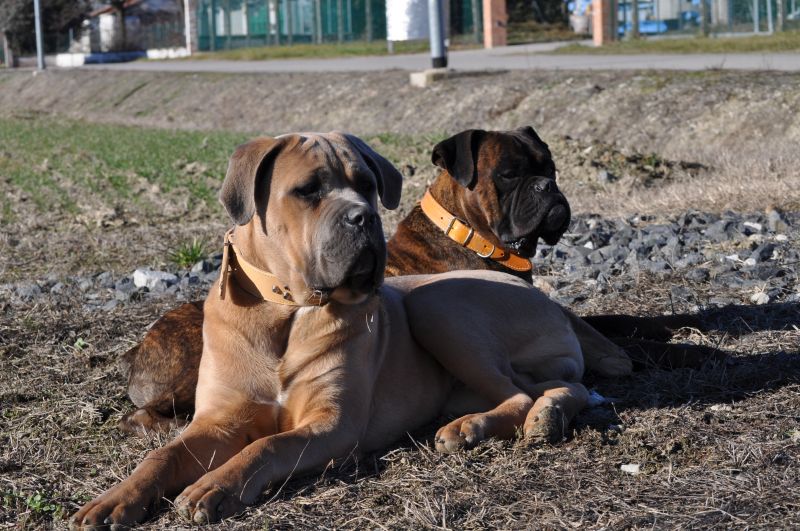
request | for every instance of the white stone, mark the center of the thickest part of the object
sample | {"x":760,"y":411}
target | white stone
{"x":759,"y":298}
{"x":427,"y":77}
{"x":148,"y":278}
{"x":631,"y":468}
{"x":758,"y":227}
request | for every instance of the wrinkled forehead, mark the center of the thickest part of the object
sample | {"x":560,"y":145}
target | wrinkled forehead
{"x":513,"y":149}
{"x":332,"y":152}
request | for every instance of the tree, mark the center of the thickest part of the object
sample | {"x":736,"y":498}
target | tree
{"x":58,"y":16}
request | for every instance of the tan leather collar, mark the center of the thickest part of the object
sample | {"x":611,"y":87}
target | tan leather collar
{"x":464,"y":235}
{"x":258,"y":282}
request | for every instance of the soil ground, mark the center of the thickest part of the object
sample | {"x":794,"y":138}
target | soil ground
{"x":105,"y":172}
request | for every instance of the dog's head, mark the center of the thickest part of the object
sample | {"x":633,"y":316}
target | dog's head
{"x":309,"y":202}
{"x":510,"y":182}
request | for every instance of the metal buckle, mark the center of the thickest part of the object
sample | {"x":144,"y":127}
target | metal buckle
{"x":489,"y":254}
{"x":450,"y":227}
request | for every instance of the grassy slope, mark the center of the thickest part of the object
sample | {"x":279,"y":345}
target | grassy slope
{"x":781,"y":42}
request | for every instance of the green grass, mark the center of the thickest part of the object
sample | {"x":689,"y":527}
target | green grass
{"x":189,"y":253}
{"x":58,"y":164}
{"x":321,"y":51}
{"x":73,"y":167}
{"x":781,"y":42}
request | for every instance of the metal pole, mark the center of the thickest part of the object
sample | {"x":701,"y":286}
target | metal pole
{"x":318,"y":20}
{"x":339,"y":21}
{"x":187,"y":25}
{"x":39,"y":45}
{"x":368,"y":15}
{"x":756,"y":17}
{"x":289,"y":23}
{"x":436,"y":29}
{"x":770,"y":27}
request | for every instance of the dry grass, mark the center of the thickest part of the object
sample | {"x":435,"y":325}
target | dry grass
{"x":717,"y":447}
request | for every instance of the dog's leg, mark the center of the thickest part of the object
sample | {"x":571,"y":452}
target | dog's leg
{"x":600,"y":355}
{"x":203,"y":446}
{"x":320,"y":436}
{"x":557,"y":404}
{"x":501,"y":422}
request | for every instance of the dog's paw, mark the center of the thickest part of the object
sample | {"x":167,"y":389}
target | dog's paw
{"x":460,"y":434}
{"x":118,"y":508}
{"x":207,"y":501}
{"x":547,"y":425}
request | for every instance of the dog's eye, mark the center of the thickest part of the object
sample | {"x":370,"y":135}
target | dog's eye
{"x":508,"y":175}
{"x":310,"y":190}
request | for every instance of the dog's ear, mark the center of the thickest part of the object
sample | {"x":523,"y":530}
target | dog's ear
{"x":249,"y":168}
{"x":459,"y":156}
{"x":388,"y":178}
{"x":530,"y":133}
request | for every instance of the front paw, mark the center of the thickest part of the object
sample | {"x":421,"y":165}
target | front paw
{"x":117,"y":508}
{"x":545,"y":425}
{"x":461,"y":434}
{"x":208,"y":500}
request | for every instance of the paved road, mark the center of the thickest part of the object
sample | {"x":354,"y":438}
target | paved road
{"x":510,"y":58}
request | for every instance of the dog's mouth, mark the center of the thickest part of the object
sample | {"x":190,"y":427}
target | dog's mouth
{"x":362,"y":279}
{"x":363,"y":274}
{"x":550,"y":229}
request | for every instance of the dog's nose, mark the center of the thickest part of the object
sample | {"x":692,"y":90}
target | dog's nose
{"x":360,"y":216}
{"x":545,"y":185}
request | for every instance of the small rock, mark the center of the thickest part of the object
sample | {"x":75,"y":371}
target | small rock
{"x":27,"y":292}
{"x":631,"y":468}
{"x":104,"y":280}
{"x":605,"y":177}
{"x":58,"y":288}
{"x":763,"y":252}
{"x":681,"y":293}
{"x":721,"y":407}
{"x":110,"y":305}
{"x":203,"y":266}
{"x":759,"y":298}
{"x":152,"y":280}
{"x":775,"y":221}
{"x":125,"y":286}
{"x":84,"y":285}
{"x":751,"y":227}
{"x":699,"y":274}
{"x":781,"y":238}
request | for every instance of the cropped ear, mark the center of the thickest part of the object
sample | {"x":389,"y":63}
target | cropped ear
{"x":459,"y":156}
{"x":249,"y":168}
{"x":530,"y":133}
{"x":388,"y":178}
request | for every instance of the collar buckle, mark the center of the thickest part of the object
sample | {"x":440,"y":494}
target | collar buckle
{"x":487,"y":255}
{"x":450,"y":228}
